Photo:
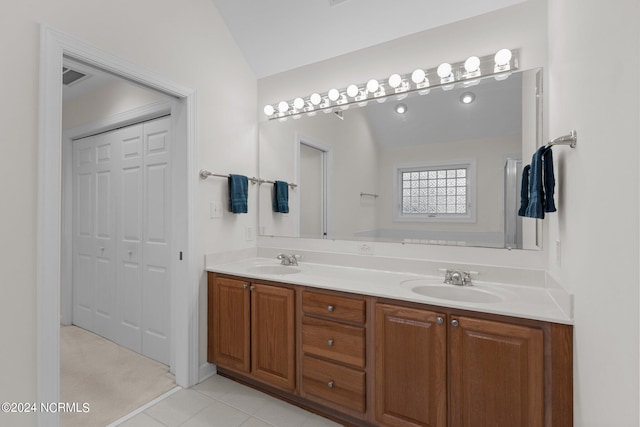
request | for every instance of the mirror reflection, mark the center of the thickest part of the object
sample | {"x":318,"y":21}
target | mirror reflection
{"x":442,"y":167}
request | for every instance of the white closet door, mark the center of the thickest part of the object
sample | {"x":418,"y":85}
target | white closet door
{"x":156,"y":238}
{"x":129,"y":272}
{"x":94,"y":222}
{"x":122,"y":229}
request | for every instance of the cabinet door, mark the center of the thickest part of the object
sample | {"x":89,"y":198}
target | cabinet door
{"x":496,"y":374}
{"x":273,"y":349}
{"x":231,"y":324}
{"x":411,"y":366}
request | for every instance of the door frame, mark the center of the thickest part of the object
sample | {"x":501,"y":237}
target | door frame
{"x":185,"y":274}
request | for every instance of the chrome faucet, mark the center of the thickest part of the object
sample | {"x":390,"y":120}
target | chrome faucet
{"x":288,"y":259}
{"x":458,"y":278}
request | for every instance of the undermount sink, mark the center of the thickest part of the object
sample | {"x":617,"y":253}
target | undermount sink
{"x":273,"y":269}
{"x":457,"y":293}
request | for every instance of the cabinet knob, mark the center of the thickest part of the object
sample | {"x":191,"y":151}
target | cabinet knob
{"x":454,"y":322}
{"x":330,"y":342}
{"x":245,"y":286}
{"x":251,"y":288}
{"x":439,"y":320}
{"x":330,"y":308}
{"x":330,"y":384}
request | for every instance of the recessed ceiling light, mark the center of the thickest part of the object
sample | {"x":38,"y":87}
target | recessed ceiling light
{"x":467,"y":97}
{"x":401,"y":108}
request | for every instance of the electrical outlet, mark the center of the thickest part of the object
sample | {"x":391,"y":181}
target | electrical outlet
{"x":365,"y":249}
{"x":250,"y":234}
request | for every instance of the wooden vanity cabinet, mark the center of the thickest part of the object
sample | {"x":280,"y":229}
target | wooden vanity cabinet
{"x":411,"y":367}
{"x":253,"y":330}
{"x":334,"y":351}
{"x":440,"y":369}
{"x":367,"y":361}
{"x":496,"y":374}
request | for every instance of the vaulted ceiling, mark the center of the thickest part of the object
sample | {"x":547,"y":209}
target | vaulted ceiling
{"x":280,"y":35}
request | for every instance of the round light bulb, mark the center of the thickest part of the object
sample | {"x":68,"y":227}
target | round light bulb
{"x":395,"y":80}
{"x":298,"y":103}
{"x":269,"y":110}
{"x":352,"y":91}
{"x":467,"y":97}
{"x":315,"y":98}
{"x":283,"y":106}
{"x":418,"y":76}
{"x":472,"y":64}
{"x":373,"y":86}
{"x":444,"y":70}
{"x":333,"y":94}
{"x":401,"y":108}
{"x":503,"y":56}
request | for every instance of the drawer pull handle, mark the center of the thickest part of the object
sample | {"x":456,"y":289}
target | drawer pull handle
{"x":330,"y":384}
{"x":330,"y":308}
{"x":330,"y":342}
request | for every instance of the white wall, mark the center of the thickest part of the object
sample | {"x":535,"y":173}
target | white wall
{"x":107,"y":100}
{"x":593,"y":85}
{"x":522,"y":26}
{"x":183,"y":41}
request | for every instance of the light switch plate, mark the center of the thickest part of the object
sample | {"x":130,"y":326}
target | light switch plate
{"x":215,"y":210}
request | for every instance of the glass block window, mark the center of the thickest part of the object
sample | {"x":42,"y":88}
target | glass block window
{"x":434,"y":191}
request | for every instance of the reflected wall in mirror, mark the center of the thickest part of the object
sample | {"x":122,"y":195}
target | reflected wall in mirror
{"x":443,"y":172}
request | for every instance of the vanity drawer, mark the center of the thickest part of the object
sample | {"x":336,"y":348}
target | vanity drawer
{"x":338,"y":384}
{"x":335,"y":341}
{"x":333,"y":306}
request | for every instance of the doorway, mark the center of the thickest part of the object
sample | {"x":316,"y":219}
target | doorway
{"x":313,"y":199}
{"x":185,"y":267}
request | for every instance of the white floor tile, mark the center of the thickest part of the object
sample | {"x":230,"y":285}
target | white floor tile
{"x":142,"y":420}
{"x":217,"y":415}
{"x":282,"y":414}
{"x":217,"y":386}
{"x":247,"y":399}
{"x":179,"y":407}
{"x":254,"y":422}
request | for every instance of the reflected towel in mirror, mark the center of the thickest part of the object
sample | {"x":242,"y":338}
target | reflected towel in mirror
{"x":281,"y":197}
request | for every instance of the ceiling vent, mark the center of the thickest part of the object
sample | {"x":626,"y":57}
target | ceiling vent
{"x":335,"y":2}
{"x":71,"y":77}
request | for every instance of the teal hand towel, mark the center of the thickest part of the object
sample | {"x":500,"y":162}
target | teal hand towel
{"x":238,"y":190}
{"x":535,"y":209}
{"x":281,"y":197}
{"x":524,"y":191}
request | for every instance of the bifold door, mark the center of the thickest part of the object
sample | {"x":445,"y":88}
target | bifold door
{"x":122,"y":229}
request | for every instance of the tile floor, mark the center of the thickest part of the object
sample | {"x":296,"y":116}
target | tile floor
{"x":219,"y":401}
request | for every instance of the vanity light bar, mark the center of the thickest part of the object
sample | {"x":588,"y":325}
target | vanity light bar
{"x":446,"y":75}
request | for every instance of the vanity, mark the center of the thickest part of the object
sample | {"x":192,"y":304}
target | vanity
{"x":372,"y":347}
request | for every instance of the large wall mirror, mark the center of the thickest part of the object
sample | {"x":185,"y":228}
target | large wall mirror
{"x":442,"y":167}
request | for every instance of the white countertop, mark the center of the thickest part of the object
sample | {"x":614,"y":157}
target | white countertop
{"x":519,"y":301}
